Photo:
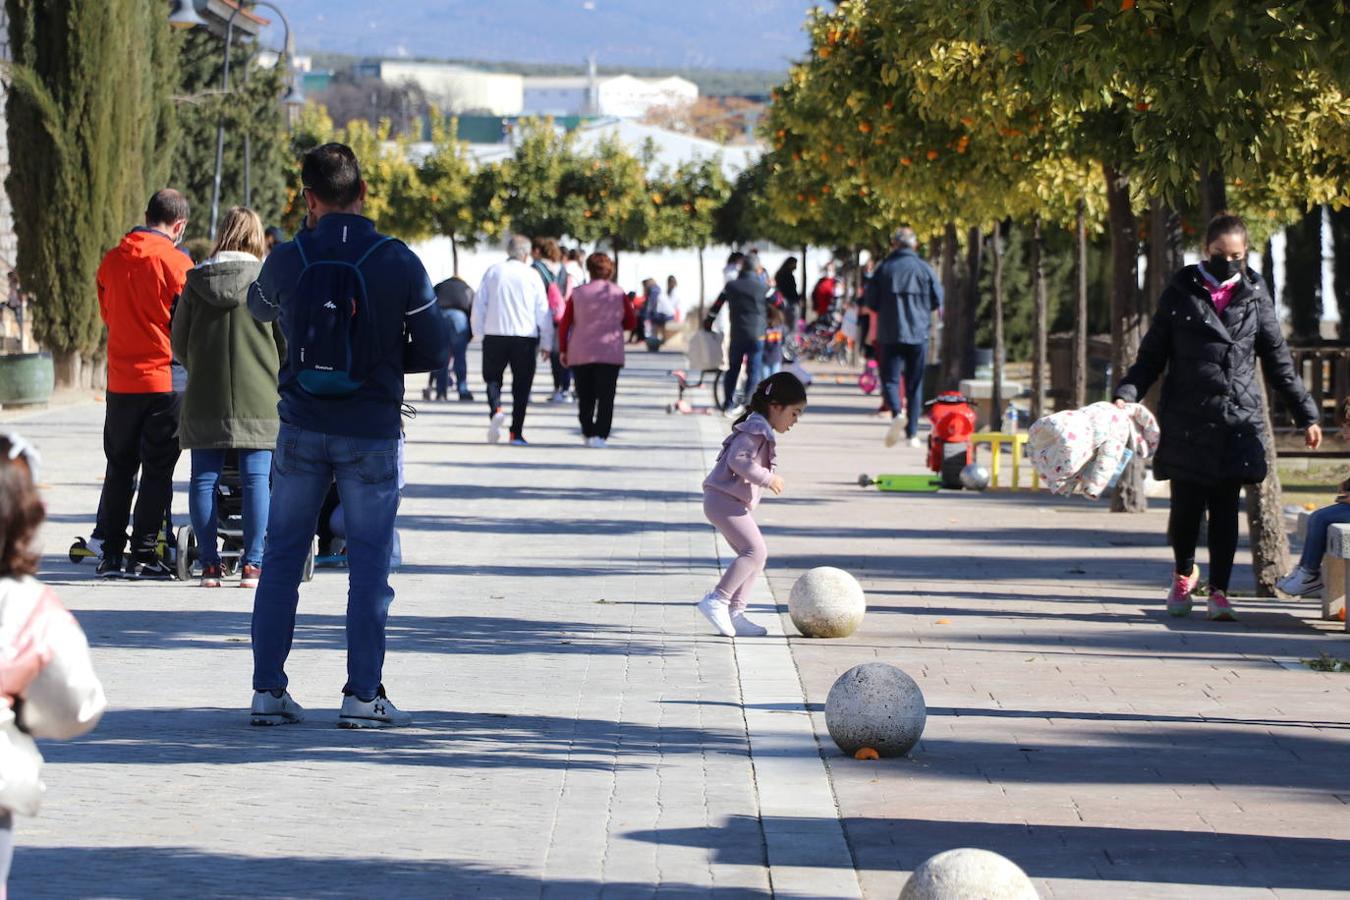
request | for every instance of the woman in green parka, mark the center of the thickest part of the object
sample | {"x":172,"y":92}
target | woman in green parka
{"x":230,"y":403}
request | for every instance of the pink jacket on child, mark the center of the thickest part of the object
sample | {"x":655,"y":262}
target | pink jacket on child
{"x":745,"y":465}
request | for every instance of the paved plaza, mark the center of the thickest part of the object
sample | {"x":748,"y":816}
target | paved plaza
{"x":580,"y":733}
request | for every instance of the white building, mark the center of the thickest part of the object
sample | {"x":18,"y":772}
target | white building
{"x":457,"y":89}
{"x":622,"y":96}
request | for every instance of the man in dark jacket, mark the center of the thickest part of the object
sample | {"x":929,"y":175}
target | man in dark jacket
{"x":454,"y":302}
{"x":746,"y":296}
{"x":903,"y":293}
{"x":351,"y":437}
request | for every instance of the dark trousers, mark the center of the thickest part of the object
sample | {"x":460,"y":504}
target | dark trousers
{"x":562,"y":376}
{"x":752,"y":351}
{"x":1190,"y":500}
{"x":140,"y":432}
{"x":518,"y":353}
{"x":907,"y":361}
{"x":596,"y":385}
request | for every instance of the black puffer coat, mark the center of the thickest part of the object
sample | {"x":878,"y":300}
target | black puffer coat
{"x":1210,"y":413}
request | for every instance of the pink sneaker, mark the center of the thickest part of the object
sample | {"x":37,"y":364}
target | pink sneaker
{"x":1179,"y":598}
{"x":1220,"y":610}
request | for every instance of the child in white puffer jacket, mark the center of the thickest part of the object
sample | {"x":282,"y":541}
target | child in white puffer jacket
{"x":47,"y":684}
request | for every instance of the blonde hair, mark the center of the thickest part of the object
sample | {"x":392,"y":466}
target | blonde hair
{"x":241,"y":231}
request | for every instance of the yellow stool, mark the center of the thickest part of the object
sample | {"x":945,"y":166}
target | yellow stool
{"x":1017,"y":444}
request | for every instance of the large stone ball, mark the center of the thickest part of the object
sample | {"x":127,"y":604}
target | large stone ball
{"x":967,"y":872}
{"x":875,"y":705}
{"x":827,"y":603}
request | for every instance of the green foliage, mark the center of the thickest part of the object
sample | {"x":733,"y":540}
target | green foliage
{"x":529,"y":185}
{"x":250,"y":108}
{"x":88,"y":147}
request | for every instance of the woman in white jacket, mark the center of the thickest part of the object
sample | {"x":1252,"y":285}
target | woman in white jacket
{"x":47,"y":684}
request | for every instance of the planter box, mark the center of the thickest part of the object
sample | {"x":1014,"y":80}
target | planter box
{"x":26,"y":379}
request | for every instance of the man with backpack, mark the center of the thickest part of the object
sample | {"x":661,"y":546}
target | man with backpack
{"x":454,"y":301}
{"x":358,"y":311}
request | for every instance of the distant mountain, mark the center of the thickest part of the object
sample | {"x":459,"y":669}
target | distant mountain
{"x":686,"y":34}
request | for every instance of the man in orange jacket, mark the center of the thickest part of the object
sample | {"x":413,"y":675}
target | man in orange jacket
{"x":138,"y":283}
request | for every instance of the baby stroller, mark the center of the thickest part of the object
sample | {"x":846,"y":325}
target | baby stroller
{"x":229,"y":528}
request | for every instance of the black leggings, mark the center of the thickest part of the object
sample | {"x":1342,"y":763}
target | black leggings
{"x":1189,"y":501}
{"x":596,"y":385}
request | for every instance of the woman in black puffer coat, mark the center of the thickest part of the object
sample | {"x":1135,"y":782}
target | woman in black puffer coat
{"x":1214,"y":322}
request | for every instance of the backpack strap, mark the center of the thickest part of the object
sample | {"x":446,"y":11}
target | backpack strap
{"x":373,"y":247}
{"x":304,"y":260}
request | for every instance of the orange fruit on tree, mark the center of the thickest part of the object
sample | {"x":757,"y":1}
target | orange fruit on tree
{"x":932,"y":155}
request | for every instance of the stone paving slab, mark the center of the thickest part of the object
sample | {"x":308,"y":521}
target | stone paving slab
{"x":578,"y":733}
{"x":1110,"y":750}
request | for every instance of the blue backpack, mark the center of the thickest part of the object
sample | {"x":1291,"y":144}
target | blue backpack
{"x":335,"y":343}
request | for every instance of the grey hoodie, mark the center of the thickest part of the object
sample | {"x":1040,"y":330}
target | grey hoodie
{"x":745,"y":465}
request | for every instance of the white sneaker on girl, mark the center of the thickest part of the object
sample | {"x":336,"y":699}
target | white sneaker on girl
{"x":1300,"y":582}
{"x":745,"y":628}
{"x":717,"y":610}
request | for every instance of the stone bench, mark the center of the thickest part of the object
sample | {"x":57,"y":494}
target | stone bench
{"x":1334,"y":584}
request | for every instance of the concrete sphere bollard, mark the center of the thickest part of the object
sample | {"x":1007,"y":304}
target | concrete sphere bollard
{"x":967,"y":872}
{"x":826,"y":603}
{"x":875,"y":705}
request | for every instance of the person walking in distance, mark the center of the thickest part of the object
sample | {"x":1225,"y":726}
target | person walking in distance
{"x":744,"y":469}
{"x":511,"y":312}
{"x":746,"y":297}
{"x":548,"y":262}
{"x":454,"y":302}
{"x":903,"y":294}
{"x":232,"y":361}
{"x":139,"y":282}
{"x":1214,"y":322}
{"x":591,"y":342}
{"x":358,"y":311}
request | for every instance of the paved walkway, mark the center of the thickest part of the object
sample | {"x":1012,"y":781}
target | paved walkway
{"x":578,"y":733}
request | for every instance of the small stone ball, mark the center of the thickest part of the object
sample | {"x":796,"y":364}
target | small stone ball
{"x":968,"y":872}
{"x":875,"y":705}
{"x":827,"y":603}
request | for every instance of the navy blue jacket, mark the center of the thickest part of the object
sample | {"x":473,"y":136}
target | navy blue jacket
{"x":413,"y":338}
{"x":905,"y":292}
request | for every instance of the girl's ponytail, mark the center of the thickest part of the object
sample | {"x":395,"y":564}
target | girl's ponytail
{"x":779,"y":389}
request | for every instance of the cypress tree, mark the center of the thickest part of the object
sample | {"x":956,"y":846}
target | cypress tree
{"x":91,"y":129}
{"x":1303,"y":275}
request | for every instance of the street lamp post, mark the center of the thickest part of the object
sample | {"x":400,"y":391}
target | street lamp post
{"x":291,"y":94}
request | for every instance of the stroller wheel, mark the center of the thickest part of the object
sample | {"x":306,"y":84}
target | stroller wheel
{"x":186,"y":553}
{"x":308,"y":574}
{"x":79,"y":551}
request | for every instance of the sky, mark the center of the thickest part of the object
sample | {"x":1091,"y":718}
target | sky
{"x":749,"y":34}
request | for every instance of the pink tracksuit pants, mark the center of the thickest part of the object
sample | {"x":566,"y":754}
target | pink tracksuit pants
{"x":732,"y":519}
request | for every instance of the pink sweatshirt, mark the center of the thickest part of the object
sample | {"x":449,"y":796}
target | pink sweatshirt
{"x":1220,"y":293}
{"x":745,"y":465}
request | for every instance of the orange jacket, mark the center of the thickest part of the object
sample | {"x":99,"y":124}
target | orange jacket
{"x":138,"y":281}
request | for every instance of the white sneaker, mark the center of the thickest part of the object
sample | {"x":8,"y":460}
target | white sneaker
{"x":495,"y":427}
{"x":745,"y":628}
{"x":734,"y":412}
{"x":717,"y":611}
{"x":377,"y":713}
{"x":916,"y":442}
{"x":269,"y":710}
{"x":558,"y":397}
{"x":598,"y":443}
{"x":1300,"y":583}
{"x":895,"y":431}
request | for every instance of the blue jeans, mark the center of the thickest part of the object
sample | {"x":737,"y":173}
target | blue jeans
{"x":753,"y":353}
{"x":254,"y":467}
{"x":908,"y":359}
{"x":366,"y":470}
{"x":1315,"y":547}
{"x":458,"y":322}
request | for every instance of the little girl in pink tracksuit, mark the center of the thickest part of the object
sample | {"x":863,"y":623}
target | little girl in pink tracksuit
{"x":744,"y":468}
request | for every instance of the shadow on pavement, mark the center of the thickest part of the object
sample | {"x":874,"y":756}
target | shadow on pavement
{"x":132,"y":873}
{"x":450,"y":740}
{"x":1081,"y":852}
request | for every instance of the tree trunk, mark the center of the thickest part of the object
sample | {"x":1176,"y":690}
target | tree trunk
{"x":1340,"y":254}
{"x":951,"y":312}
{"x":805,"y":276}
{"x":1039,"y":352}
{"x":1213,"y":194}
{"x":996,"y":396}
{"x":971,"y":305}
{"x":702,"y":286}
{"x":1127,"y":324}
{"x":1265,"y":512}
{"x":454,"y":255}
{"x":1303,"y":275}
{"x":1080,"y":317}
